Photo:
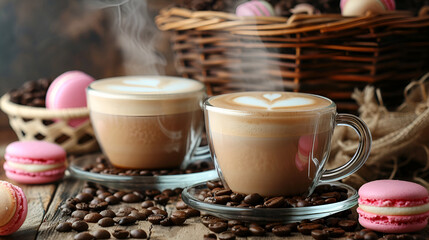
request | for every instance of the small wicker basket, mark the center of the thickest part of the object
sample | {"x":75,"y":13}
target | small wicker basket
{"x":325,"y":54}
{"x":33,"y":123}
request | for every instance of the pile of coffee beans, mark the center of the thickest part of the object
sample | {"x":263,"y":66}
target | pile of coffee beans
{"x":103,"y":167}
{"x":94,"y":205}
{"x":31,"y":93}
{"x":217,"y":194}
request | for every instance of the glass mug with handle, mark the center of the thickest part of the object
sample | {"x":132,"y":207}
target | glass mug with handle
{"x":277,"y":143}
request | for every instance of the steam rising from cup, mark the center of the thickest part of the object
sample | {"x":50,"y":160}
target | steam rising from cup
{"x":137,"y":35}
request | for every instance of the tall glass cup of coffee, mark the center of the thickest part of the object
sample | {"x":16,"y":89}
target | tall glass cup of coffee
{"x":147,"y":122}
{"x":277,"y":143}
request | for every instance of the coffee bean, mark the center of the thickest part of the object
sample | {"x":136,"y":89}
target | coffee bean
{"x":190,"y":212}
{"x":327,"y":195}
{"x":218,"y":227}
{"x":253,"y":199}
{"x":96,"y":200}
{"x":161,"y":199}
{"x":237,"y":197}
{"x":160,"y":211}
{"x":80,"y":226}
{"x":208,"y":219}
{"x":84,"y":197}
{"x":106,"y":222}
{"x":124,"y":211}
{"x":319,"y":234}
{"x":153,"y":208}
{"x":181,"y":205}
{"x":281,"y":231}
{"x":83,"y":236}
{"x":210,"y":236}
{"x":372,"y":236}
{"x":108,"y":213}
{"x":223,"y":192}
{"x":73,"y":219}
{"x":120,"y":234}
{"x":330,"y":200}
{"x":302,"y":203}
{"x":147,"y":203}
{"x":222,"y":199}
{"x":138,"y":233}
{"x":306,"y":228}
{"x":293,"y":226}
{"x":82,"y":206}
{"x":166,"y":222}
{"x":103,"y":195}
{"x":404,"y":237}
{"x":390,"y":237}
{"x":119,"y":194}
{"x":335,"y":232}
{"x":152,"y":193}
{"x":101,"y":234}
{"x":156,"y":218}
{"x":332,"y":222}
{"x":257,"y":231}
{"x":213,"y":184}
{"x":64,"y":227}
{"x":227,"y":235}
{"x":232,"y":223}
{"x":112,"y":200}
{"x":138,"y":215}
{"x":274,"y":202}
{"x":178,"y":217}
{"x":92,"y":217}
{"x":269,"y":226}
{"x":240,"y":231}
{"x":126,"y":221}
{"x":347,"y":225}
{"x":131,"y":198}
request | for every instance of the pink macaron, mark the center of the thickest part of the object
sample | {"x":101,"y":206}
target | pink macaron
{"x":34,"y":162}
{"x":360,"y":7}
{"x":69,"y":91}
{"x":255,"y":8}
{"x":13,"y":208}
{"x":393,"y":206}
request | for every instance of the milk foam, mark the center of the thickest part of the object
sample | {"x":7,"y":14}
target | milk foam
{"x":144,"y":95}
{"x":271,"y":103}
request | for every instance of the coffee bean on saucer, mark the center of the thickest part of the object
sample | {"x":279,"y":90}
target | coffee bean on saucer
{"x":274,"y":202}
{"x":306,"y":228}
{"x":101,"y":234}
{"x":210,"y":236}
{"x":64,"y":227}
{"x":253,"y":199}
{"x":92,"y":217}
{"x":319,"y":234}
{"x":218,"y":227}
{"x":347,"y":225}
{"x":83,"y":236}
{"x":106,"y":222}
{"x":213,"y":184}
{"x":257,"y":231}
{"x":138,"y":233}
{"x":222,"y":199}
{"x":227,"y":235}
{"x":281,"y":231}
{"x":237,"y":197}
{"x":240,"y":231}
{"x":156,"y":218}
{"x":120,"y":233}
{"x":80,"y":226}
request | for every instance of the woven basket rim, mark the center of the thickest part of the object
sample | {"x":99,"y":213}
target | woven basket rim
{"x":178,"y":19}
{"x":11,"y":108}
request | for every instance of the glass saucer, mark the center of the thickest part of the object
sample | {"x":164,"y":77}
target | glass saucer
{"x":119,"y":182}
{"x":287,"y":215}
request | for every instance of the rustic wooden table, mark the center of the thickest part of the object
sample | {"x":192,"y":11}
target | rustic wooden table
{"x":44,"y":212}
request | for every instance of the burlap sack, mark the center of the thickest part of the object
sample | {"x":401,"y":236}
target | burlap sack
{"x":400,"y":147}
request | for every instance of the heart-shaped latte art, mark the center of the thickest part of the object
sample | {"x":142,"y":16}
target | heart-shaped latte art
{"x":148,"y":85}
{"x":283,"y":103}
{"x":272,"y":96}
{"x":147,"y":82}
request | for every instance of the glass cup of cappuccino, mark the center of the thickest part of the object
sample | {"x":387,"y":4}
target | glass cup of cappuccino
{"x":147,"y":122}
{"x":277,"y":143}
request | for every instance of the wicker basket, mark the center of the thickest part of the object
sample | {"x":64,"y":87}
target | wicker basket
{"x":32,"y":123}
{"x":323,"y":54}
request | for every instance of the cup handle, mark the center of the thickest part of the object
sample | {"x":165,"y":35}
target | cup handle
{"x":361,"y":154}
